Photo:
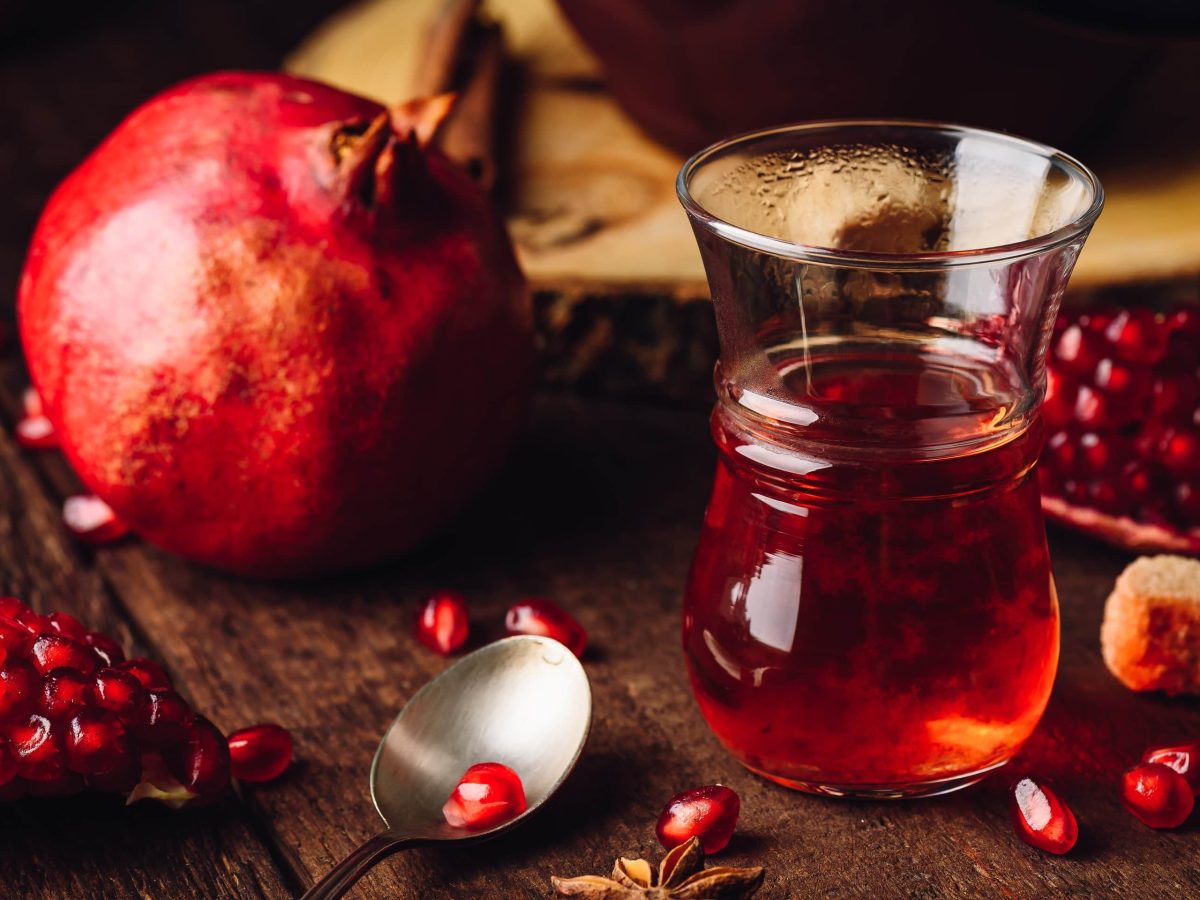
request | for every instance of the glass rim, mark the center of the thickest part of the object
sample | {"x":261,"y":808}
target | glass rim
{"x":862,"y":259}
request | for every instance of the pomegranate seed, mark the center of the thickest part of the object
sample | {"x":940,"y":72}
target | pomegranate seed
{"x":66,"y":625}
{"x":1062,"y":450}
{"x":63,"y":693}
{"x":148,"y":672}
{"x":1041,"y":818}
{"x":121,"y":694}
{"x":487,"y":794}
{"x":442,"y":622}
{"x":18,"y":690}
{"x":168,"y":719}
{"x":92,"y":520}
{"x":709,"y":813}
{"x":107,"y":651}
{"x":1137,"y":336}
{"x":36,"y":433}
{"x":51,"y":651}
{"x":1172,"y":398}
{"x":121,"y":780}
{"x":1180,"y":449}
{"x":8,"y":765}
{"x":260,"y":752}
{"x":535,"y":615}
{"x":1120,"y":381}
{"x":96,"y":742}
{"x":1157,"y":795}
{"x":37,"y":747}
{"x":1091,"y":408}
{"x":201,"y":760}
{"x":14,"y":639}
{"x":1183,"y":758}
{"x":1139,"y":482}
{"x":1074,"y":352}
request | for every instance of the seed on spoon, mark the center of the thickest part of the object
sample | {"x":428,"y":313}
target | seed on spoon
{"x":487,"y":794}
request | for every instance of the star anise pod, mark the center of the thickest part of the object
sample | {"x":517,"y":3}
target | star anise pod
{"x":680,"y":876}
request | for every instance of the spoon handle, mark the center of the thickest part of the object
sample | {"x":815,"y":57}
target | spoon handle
{"x":350,"y":869}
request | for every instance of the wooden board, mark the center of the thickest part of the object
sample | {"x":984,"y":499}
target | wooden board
{"x":610,"y":499}
{"x":593,"y":201}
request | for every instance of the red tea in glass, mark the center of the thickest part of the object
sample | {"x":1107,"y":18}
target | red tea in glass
{"x":870,"y":609}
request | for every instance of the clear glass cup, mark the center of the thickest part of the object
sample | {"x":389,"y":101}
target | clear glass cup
{"x":870,"y":610}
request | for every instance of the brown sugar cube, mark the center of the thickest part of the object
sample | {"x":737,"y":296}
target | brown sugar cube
{"x":1151,"y":631}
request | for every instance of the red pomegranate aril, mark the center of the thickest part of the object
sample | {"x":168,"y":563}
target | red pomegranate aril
{"x":1092,"y":409}
{"x":1139,"y":482}
{"x":168,"y":719}
{"x":121,"y":694}
{"x":52,"y":651}
{"x":1183,"y":758}
{"x":107,"y":651}
{"x":63,"y":693}
{"x":535,"y":615}
{"x":260,"y":752}
{"x":1119,"y":381}
{"x":1138,"y":336}
{"x":1187,"y":500}
{"x":36,"y":744}
{"x":1097,"y":454}
{"x":1173,"y":398}
{"x":36,"y":433}
{"x":1041,"y":818}
{"x":1180,"y":449}
{"x":96,"y":742}
{"x":18,"y":690}
{"x":92,"y":520}
{"x":1157,"y":795}
{"x":1074,"y":353}
{"x":14,"y":639}
{"x":1062,"y":450}
{"x":13,"y":608}
{"x":66,"y":625}
{"x":201,"y":760}
{"x":118,"y":781}
{"x":709,"y":813}
{"x":488,"y":794}
{"x":442,"y":622}
{"x":1059,"y":400}
{"x":152,"y":676}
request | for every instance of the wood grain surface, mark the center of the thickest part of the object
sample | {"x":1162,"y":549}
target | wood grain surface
{"x":599,"y":508}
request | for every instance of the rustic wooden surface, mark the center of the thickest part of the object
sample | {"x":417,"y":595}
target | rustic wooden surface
{"x":598,"y":509}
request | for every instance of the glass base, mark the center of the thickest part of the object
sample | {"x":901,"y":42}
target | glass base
{"x":906,"y":791}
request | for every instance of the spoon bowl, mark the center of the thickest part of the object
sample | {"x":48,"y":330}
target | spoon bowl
{"x":523,"y":701}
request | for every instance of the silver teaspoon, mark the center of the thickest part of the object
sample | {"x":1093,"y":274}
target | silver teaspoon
{"x":523,"y":701}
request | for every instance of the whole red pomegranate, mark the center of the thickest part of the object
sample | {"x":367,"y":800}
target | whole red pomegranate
{"x":274,"y":329}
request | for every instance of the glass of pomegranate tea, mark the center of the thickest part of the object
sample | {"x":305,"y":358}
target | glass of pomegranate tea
{"x":870,"y":610}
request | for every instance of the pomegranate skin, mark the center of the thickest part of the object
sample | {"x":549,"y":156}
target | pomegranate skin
{"x":275,"y":331}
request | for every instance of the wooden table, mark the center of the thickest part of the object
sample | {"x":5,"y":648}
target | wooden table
{"x":599,"y":509}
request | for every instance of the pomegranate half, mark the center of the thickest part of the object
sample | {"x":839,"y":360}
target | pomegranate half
{"x":274,"y":329}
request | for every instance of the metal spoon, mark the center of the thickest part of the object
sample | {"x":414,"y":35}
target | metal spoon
{"x":523,"y":701}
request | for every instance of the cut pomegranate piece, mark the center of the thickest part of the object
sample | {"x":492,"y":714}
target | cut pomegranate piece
{"x":201,"y":760}
{"x":63,"y":693}
{"x":487,"y":794}
{"x":1122,"y":412}
{"x":69,"y":720}
{"x":1041,"y":818}
{"x":442,"y":623}
{"x":1183,"y":758}
{"x":535,"y":615}
{"x":1157,"y":795}
{"x":709,"y":813}
{"x":92,"y":520}
{"x":36,"y":433}
{"x":260,"y":752}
